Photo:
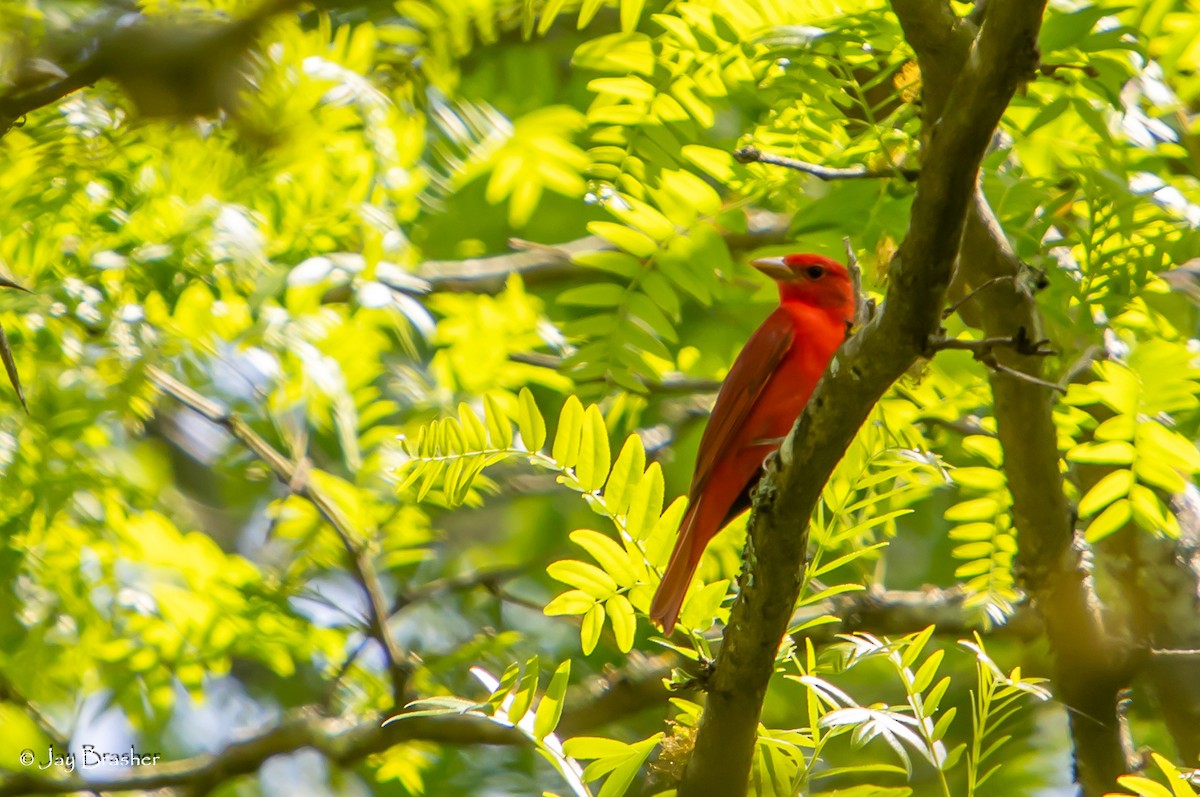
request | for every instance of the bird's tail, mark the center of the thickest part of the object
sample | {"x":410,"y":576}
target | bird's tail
{"x":668,"y":600}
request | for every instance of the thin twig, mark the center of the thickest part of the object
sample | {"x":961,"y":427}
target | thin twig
{"x":952,"y":309}
{"x":1021,"y":343}
{"x":826,"y":173}
{"x":294,"y":477}
{"x":984,"y":351}
{"x":490,"y":579}
{"x":1024,"y":377}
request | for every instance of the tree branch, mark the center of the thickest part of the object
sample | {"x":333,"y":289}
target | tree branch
{"x":1169,"y":582}
{"x":826,"y":173}
{"x":341,"y":742}
{"x":132,"y":53}
{"x":541,"y":263}
{"x":294,"y":477}
{"x":1003,"y":54}
{"x":1090,"y":667}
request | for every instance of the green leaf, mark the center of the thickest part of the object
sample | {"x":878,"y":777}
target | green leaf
{"x":499,"y":428}
{"x":587,"y":12}
{"x":1113,"y":452}
{"x":569,"y":433}
{"x":943,"y":723}
{"x":1119,"y":427}
{"x":523,"y":699}
{"x":1062,"y":30}
{"x":608,"y":553}
{"x":631,"y":14}
{"x":598,"y":294}
{"x":584,"y":576}
{"x":1113,"y":486}
{"x":624,"y":621}
{"x":594,"y":457}
{"x":988,"y":479}
{"x":625,"y":476}
{"x":1143,"y":787}
{"x":977,"y":509}
{"x":550,"y":708}
{"x":550,"y":12}
{"x":508,"y":680}
{"x":474,"y":433}
{"x":617,"y":53}
{"x":593,"y":625}
{"x":645,"y":505}
{"x":629,"y":240}
{"x":621,"y":778}
{"x":934,"y":698}
{"x":573,"y":601}
{"x":1110,"y":520}
{"x":530,"y":422}
{"x":702,"y":604}
{"x":621,"y":264}
{"x":588,"y":747}
{"x":912,"y":651}
{"x":925,"y":675}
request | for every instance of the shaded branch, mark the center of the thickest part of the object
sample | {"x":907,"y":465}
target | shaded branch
{"x":294,"y":477}
{"x":826,"y":173}
{"x":985,"y":352}
{"x":1090,"y":666}
{"x":1168,"y":579}
{"x":1003,"y":54}
{"x":542,"y":263}
{"x":341,"y":742}
{"x":176,"y":64}
{"x":490,"y":579}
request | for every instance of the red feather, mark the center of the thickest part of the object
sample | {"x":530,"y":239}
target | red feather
{"x":766,"y":389}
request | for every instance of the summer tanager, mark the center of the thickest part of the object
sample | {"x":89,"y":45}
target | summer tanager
{"x":765,"y":391}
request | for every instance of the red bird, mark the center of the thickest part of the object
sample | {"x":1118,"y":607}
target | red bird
{"x":762,"y":396}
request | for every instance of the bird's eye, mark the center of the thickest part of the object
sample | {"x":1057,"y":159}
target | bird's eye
{"x":815,"y":272}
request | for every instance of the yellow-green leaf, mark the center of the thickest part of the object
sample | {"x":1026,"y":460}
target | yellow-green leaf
{"x":607,"y":553}
{"x":498,"y":426}
{"x":594,"y":456}
{"x":584,"y":576}
{"x":573,"y":601}
{"x":626,"y":474}
{"x":1110,"y":520}
{"x":645,"y":505}
{"x":1113,"y":486}
{"x":530,"y":422}
{"x":523,"y":699}
{"x":631,"y":14}
{"x":702,"y":604}
{"x":1112,"y":452}
{"x":549,"y":709}
{"x":624,"y":621}
{"x":593,"y":624}
{"x":569,"y":433}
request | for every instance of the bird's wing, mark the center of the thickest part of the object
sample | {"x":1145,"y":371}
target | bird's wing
{"x":751,"y":371}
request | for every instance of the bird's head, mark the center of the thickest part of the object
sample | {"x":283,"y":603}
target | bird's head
{"x":811,"y":279}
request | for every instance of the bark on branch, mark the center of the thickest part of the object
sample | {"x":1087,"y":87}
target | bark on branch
{"x":1000,"y":56}
{"x":339,"y":741}
{"x":1089,"y":667}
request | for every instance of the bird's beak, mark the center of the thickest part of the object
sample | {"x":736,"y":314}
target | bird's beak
{"x":773,"y":267}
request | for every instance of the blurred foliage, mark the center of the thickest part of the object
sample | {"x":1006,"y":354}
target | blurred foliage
{"x":273,"y":253}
